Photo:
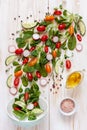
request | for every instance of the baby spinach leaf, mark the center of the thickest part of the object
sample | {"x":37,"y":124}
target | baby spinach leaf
{"x":17,"y":69}
{"x":72,"y":42}
{"x":24,"y":81}
{"x":27,"y":68}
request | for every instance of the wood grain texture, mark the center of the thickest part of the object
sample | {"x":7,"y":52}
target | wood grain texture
{"x":12,"y":12}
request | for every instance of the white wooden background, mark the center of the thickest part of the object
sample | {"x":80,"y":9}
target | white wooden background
{"x":10,"y":9}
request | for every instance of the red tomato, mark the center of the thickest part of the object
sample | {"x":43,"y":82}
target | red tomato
{"x":41,"y":28}
{"x":19,"y":51}
{"x":46,"y":49}
{"x":26,"y":96}
{"x":35,"y":104}
{"x":38,"y":74}
{"x":25,"y":61}
{"x":32,"y":48}
{"x":44,"y":38}
{"x":57,"y":12}
{"x":58,"y":45}
{"x":16,"y":82}
{"x":68,"y":64}
{"x":62,"y":26}
{"x":17,"y":108}
{"x":30,"y":76}
{"x":79,"y":37}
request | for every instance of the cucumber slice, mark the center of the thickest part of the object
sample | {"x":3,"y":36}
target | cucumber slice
{"x":57,"y":66}
{"x":29,"y":25}
{"x":37,"y":111}
{"x":82,"y":27}
{"x":9,"y":81}
{"x":20,"y":103}
{"x":10,"y":59}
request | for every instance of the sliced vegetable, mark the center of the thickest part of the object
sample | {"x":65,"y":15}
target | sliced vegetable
{"x":61,"y":26}
{"x":37,"y":111}
{"x":36,"y":36}
{"x":46,"y":49}
{"x":49,"y":18}
{"x":26,"y":96}
{"x":13,"y":91}
{"x":10,"y":59}
{"x":25,"y":61}
{"x":71,"y":30}
{"x":48,"y":68}
{"x":20,"y":104}
{"x":55,"y":39}
{"x":30,"y":106}
{"x":79,"y":47}
{"x":49,"y":57}
{"x":26,"y":25}
{"x":54,"y":53}
{"x":43,"y":82}
{"x":26,"y":53}
{"x":58,"y":45}
{"x":11,"y":48}
{"x":38,"y":74}
{"x":9,"y":81}
{"x":30,"y":76}
{"x":57,"y":12}
{"x":81,"y":27}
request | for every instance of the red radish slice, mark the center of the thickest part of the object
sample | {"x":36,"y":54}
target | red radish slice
{"x":36,"y":36}
{"x":49,"y":57}
{"x":30,"y":106}
{"x":79,"y":47}
{"x":55,"y":39}
{"x":11,"y":48}
{"x":13,"y":91}
{"x":26,"y":53}
{"x":43,"y":82}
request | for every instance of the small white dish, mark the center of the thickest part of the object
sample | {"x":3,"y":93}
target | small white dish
{"x":67,"y":106}
{"x":26,"y":122}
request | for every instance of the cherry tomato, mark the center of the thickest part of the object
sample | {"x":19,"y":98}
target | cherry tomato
{"x":16,"y":82}
{"x":79,"y":37}
{"x":26,"y":96}
{"x":62,"y":26}
{"x":44,"y":38}
{"x":49,"y":18}
{"x":30,"y":76}
{"x":58,"y":45}
{"x":57,"y":12}
{"x":46,"y":49}
{"x":17,"y":108}
{"x":68,"y":64}
{"x":33,"y":61}
{"x":25,"y":61}
{"x":48,"y":68}
{"x":38,"y":74}
{"x":19,"y":51}
{"x":71,"y":30}
{"x":54,"y":53}
{"x":18,"y":73}
{"x":32,"y":48}
{"x":41,"y":28}
{"x":35,"y":104}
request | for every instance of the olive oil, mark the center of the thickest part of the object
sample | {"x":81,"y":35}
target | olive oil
{"x":74,"y":79}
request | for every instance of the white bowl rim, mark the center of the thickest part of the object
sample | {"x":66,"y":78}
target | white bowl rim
{"x":28,"y":121}
{"x":70,"y":113}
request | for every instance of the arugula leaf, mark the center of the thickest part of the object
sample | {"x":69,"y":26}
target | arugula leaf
{"x":72,"y":43}
{"x":24,"y":81}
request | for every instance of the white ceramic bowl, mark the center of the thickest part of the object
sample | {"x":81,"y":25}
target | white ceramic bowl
{"x":67,"y":113}
{"x":26,"y":122}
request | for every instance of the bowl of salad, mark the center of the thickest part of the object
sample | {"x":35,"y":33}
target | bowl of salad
{"x":28,"y":109}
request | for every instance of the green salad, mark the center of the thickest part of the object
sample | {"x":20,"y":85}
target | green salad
{"x":27,"y":104}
